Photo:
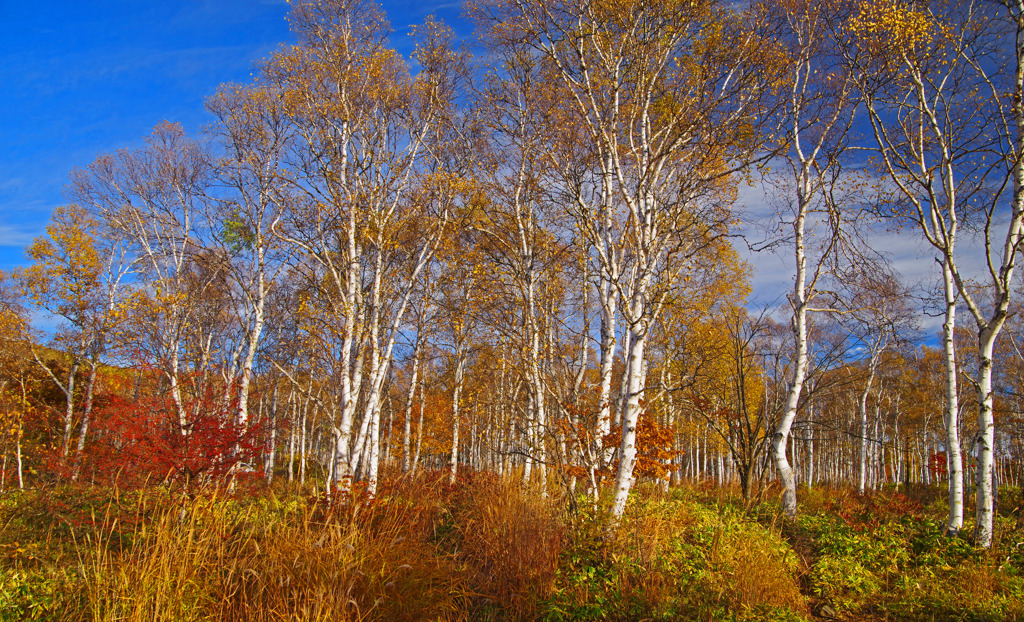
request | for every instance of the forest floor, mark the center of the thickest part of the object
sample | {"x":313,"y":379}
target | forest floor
{"x":486,"y":549}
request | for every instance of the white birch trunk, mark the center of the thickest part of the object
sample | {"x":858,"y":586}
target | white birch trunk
{"x":407,"y":431}
{"x":633,"y":385}
{"x":799,"y":303}
{"x":462,"y":355}
{"x":862,"y":409}
{"x":951,"y":413}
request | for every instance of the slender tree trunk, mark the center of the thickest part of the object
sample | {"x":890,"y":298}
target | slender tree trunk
{"x":242,"y":415}
{"x":608,"y":273}
{"x":21,"y":476}
{"x":460,"y":371}
{"x":862,"y":408}
{"x":951,"y":418}
{"x":303,"y":444}
{"x":352,"y":370}
{"x":810,"y":458}
{"x":609,"y":315}
{"x":373,"y":468}
{"x":69,"y":412}
{"x":799,"y":302}
{"x":271,"y":460}
{"x":633,"y":385}
{"x":985,"y":513}
{"x":407,"y":432}
{"x":90,"y":392}
{"x":293,"y":439}
{"x":419,"y":434}
{"x":184,"y":424}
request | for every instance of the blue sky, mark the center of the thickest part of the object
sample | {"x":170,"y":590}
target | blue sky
{"x":90,"y":77}
{"x":93,"y":76}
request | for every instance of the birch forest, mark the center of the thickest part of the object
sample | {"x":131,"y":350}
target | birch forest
{"x":529,"y":266}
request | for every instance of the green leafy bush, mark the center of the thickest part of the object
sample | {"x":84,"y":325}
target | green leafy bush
{"x":673,"y":558}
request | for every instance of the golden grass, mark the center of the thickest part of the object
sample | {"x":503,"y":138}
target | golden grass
{"x":485,"y":548}
{"x":215,"y":560}
{"x":511,"y":541}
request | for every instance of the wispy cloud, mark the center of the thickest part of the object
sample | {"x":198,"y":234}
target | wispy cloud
{"x":16,"y":236}
{"x":907,"y":252}
{"x":12,"y":184}
{"x":54,"y":75}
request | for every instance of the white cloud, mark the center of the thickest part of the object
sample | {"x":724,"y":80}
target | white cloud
{"x":907,"y":251}
{"x":17,"y":236}
{"x":15,"y":183}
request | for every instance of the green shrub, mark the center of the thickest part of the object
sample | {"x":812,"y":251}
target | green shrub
{"x":671,"y":558}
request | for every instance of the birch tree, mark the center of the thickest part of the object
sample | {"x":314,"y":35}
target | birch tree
{"x":154,"y":199}
{"x":668,"y":97}
{"x":518,"y":221}
{"x":947,"y":122}
{"x":252,"y":128}
{"x":880,"y":321}
{"x":363,"y":129}
{"x":818,"y":103}
{"x":78,"y":275}
{"x":16,"y":365}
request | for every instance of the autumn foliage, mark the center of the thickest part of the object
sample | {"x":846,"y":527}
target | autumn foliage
{"x":140,"y":440}
{"x":482,"y":337}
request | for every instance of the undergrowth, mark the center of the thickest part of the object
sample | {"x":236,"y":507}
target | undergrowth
{"x":670,"y":557}
{"x":488,"y":549}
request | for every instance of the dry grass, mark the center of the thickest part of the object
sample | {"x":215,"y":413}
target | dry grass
{"x":762,"y":575}
{"x":486,"y":548}
{"x":216,"y":561}
{"x":511,"y":541}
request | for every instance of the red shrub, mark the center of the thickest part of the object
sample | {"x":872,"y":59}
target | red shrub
{"x":142,"y":440}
